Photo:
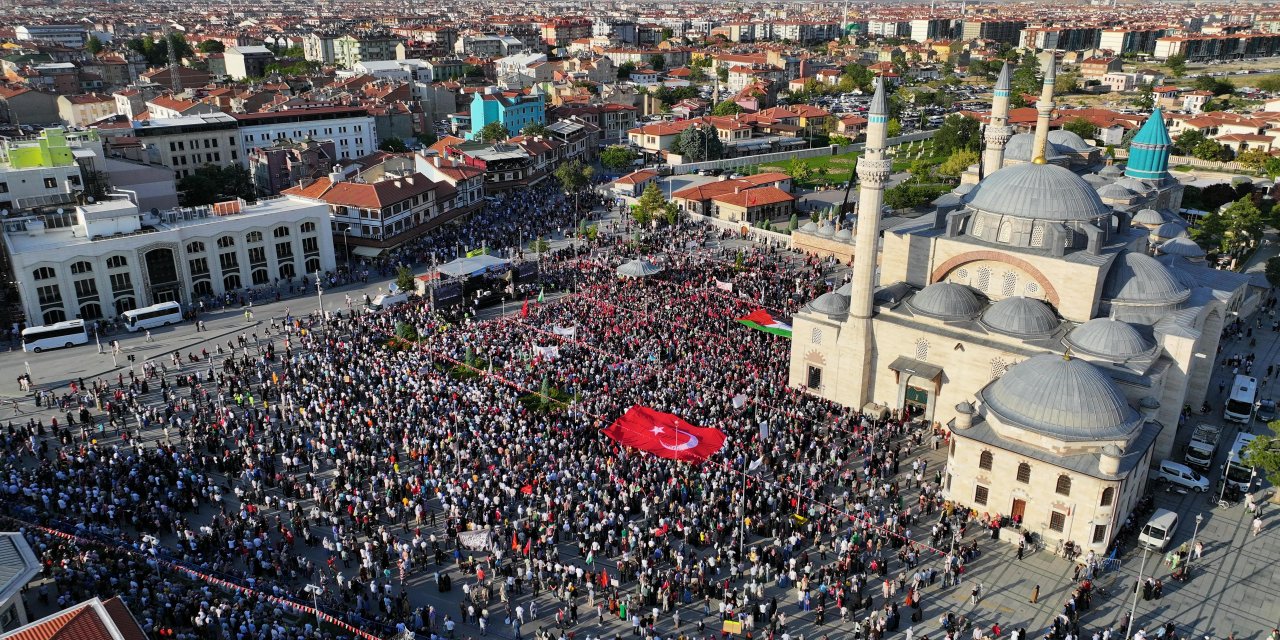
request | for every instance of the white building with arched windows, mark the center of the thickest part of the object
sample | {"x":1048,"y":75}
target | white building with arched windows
{"x":105,"y":258}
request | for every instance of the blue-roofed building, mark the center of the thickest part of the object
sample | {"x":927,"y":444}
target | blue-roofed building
{"x":515,"y":112}
{"x":1149,"y":150}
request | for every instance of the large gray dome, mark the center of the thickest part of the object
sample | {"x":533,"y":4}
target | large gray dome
{"x":1115,"y":192}
{"x":1020,"y":317}
{"x":1068,"y":140}
{"x":831,"y":304}
{"x":1169,"y":230}
{"x":1060,"y":397}
{"x":1039,"y":191}
{"x":1182,"y":246}
{"x":1137,"y":278}
{"x":1146,"y":216}
{"x":946,"y":301}
{"x":1019,"y":148}
{"x":1109,"y":339}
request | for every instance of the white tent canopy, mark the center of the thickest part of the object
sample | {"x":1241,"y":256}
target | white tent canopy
{"x":463,"y":267}
{"x":638,"y":269}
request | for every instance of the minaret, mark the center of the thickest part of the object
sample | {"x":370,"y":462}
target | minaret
{"x":1044,"y":109}
{"x":998,"y":132}
{"x":874,"y":168}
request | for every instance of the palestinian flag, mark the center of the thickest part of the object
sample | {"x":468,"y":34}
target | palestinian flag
{"x":760,"y":319}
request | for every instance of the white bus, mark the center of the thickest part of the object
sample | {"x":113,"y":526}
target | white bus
{"x":1244,"y":393}
{"x":156,"y":315}
{"x":53,"y":336}
{"x":1237,"y":472}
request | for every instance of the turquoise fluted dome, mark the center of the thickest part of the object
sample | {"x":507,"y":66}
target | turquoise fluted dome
{"x":1149,"y":151}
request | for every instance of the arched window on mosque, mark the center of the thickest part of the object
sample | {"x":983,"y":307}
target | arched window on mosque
{"x":1006,"y":232}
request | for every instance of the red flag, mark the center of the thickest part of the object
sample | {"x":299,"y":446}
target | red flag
{"x":527,"y":489}
{"x":515,"y":544}
{"x":665,"y":435}
{"x":524,"y":309}
{"x":528,"y":545}
{"x":604,"y":578}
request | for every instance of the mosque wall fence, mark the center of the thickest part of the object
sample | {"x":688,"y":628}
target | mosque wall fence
{"x":783,"y":156}
{"x":1206,"y":164}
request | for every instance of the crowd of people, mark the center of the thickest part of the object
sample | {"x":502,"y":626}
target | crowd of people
{"x":330,"y":452}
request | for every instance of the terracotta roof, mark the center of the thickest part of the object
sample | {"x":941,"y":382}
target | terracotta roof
{"x":1244,"y":137}
{"x":365,"y":195}
{"x":754,"y":197}
{"x":173,"y":104}
{"x":637,"y":177}
{"x":89,"y":620}
{"x":89,"y":98}
{"x":664,"y":128}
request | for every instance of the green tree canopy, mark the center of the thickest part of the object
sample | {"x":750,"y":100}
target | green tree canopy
{"x":1177,"y":65}
{"x":212,"y":46}
{"x":1216,"y":86}
{"x":893,"y":127}
{"x":393,"y":145}
{"x":573,"y":175}
{"x":211,"y":183}
{"x":1187,"y":142}
{"x":93,"y":46}
{"x":1081,"y":127}
{"x":1264,"y":454}
{"x":1273,"y":271}
{"x":727,"y":108}
{"x":699,"y":143}
{"x":404,"y":280}
{"x":958,"y":132}
{"x":535,"y":129}
{"x":648,"y":205}
{"x":494,"y":132}
{"x":618,"y":157}
{"x":957,"y":163}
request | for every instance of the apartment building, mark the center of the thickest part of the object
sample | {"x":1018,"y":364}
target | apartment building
{"x":1126,"y":40}
{"x":1203,"y":48}
{"x":351,"y":129}
{"x":350,"y":49}
{"x":46,"y":170}
{"x":67,"y":35}
{"x":998,"y":30}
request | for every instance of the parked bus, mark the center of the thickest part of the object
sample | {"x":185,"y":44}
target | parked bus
{"x":53,"y":336}
{"x":1244,"y":393}
{"x":156,"y":315}
{"x":1237,"y":472}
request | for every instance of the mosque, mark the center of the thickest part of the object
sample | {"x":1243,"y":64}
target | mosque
{"x":1051,"y":312}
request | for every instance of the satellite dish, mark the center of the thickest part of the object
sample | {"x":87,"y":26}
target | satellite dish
{"x":4,"y":212}
{"x":60,"y":211}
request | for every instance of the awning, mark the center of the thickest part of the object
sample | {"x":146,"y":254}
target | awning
{"x":916,"y":368}
{"x":366,"y":252}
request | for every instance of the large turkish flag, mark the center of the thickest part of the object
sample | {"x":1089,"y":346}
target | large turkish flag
{"x":665,"y":435}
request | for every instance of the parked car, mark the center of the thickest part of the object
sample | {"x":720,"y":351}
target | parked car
{"x":1171,"y":472}
{"x":1266,"y":410}
{"x":1159,"y":530}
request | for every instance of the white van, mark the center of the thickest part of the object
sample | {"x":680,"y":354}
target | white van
{"x":1159,"y":530}
{"x":1182,"y":475}
{"x":385,"y":300}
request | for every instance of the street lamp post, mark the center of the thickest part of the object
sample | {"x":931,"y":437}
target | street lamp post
{"x":346,"y":248}
{"x":1194,"y":534}
{"x":1133,"y":611}
{"x":315,"y":591}
{"x":319,"y":293}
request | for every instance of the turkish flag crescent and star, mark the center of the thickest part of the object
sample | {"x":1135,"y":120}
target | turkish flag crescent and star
{"x":665,"y":435}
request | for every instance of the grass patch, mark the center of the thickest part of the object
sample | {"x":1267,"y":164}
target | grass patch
{"x":536,"y":403}
{"x":1185,"y":168}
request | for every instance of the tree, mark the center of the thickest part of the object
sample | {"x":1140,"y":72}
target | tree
{"x":1066,"y":82}
{"x":794,"y":223}
{"x":1081,"y":127}
{"x":212,"y":46}
{"x":494,"y":132}
{"x":649,"y":204}
{"x":956,"y":133}
{"x":1272,"y":168}
{"x":799,"y":170}
{"x":722,"y":74}
{"x":1273,"y":271}
{"x":1214,"y":196}
{"x":1270,"y":84}
{"x":1264,"y":453}
{"x":404,"y":280}
{"x":1146,"y":99}
{"x":1245,"y":224}
{"x":1254,"y":159}
{"x":667,"y":33}
{"x":1177,"y":65}
{"x":93,"y":46}
{"x":625,"y":69}
{"x":658,"y":62}
{"x":1210,"y":150}
{"x":957,"y":163}
{"x":921,"y":169}
{"x":727,"y":108}
{"x":1216,"y":86}
{"x":535,"y":129}
{"x":1187,"y":142}
{"x":700,"y":143}
{"x":1025,"y":78}
{"x":894,"y":128}
{"x":618,"y":157}
{"x":573,"y":176}
{"x":393,"y":145}
{"x":426,"y":138}
{"x":211,"y":183}
{"x":671,"y":213}
{"x":1210,"y":232}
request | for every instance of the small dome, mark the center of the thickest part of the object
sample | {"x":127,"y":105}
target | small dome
{"x":1169,"y":230}
{"x":1019,"y":148}
{"x":1069,"y":140}
{"x":826,"y":228}
{"x":946,"y":301}
{"x":831,"y":304}
{"x":1137,"y":278}
{"x":1038,"y":191}
{"x":1182,"y":246}
{"x":846,"y":289}
{"x":844,"y":235}
{"x":1147,"y":216}
{"x":1136,"y":186}
{"x":1063,"y":398}
{"x":1020,"y":317}
{"x":809,"y":227}
{"x":1112,"y":171}
{"x":1115,"y":192}
{"x":1109,"y":339}
{"x":964,"y":189}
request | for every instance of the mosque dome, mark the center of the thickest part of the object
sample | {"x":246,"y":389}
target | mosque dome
{"x":844,"y":235}
{"x":1136,"y":186}
{"x":946,"y":301}
{"x":1109,"y":339}
{"x":1182,"y":246}
{"x":1115,"y":192}
{"x":964,"y":189}
{"x":1039,"y":191}
{"x":1019,"y":147}
{"x":831,"y":304}
{"x":1137,"y":278}
{"x":1068,"y":140}
{"x":1020,"y":316}
{"x":1060,"y":397}
{"x":809,"y":227}
{"x":846,"y":289}
{"x":826,"y":228}
{"x":1169,"y":230}
{"x":1147,"y":216}
{"x":1112,"y":171}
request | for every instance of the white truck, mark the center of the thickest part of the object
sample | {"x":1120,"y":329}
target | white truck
{"x":1203,"y":446}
